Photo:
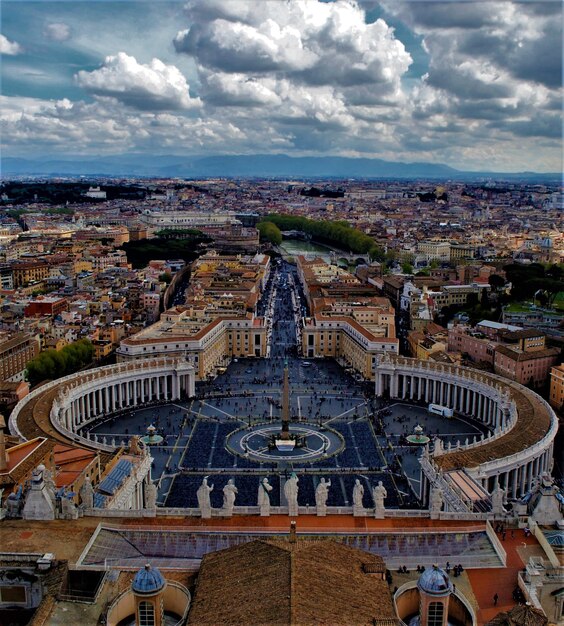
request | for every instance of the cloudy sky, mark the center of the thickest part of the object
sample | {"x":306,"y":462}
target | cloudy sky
{"x":475,"y":85}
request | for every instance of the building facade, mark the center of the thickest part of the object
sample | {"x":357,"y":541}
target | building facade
{"x":15,"y":353}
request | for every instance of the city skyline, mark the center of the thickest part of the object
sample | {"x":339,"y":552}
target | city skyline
{"x":476,"y":86}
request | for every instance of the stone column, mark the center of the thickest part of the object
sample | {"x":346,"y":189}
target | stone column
{"x":529,"y":479}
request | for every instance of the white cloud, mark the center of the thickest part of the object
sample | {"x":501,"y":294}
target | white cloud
{"x":9,"y":47}
{"x":307,"y":41}
{"x":57,"y":31}
{"x":152,"y":86}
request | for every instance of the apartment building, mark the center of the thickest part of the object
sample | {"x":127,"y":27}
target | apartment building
{"x":25,"y":272}
{"x":525,"y":358}
{"x":349,"y":322}
{"x":557,"y":386}
{"x":15,"y":353}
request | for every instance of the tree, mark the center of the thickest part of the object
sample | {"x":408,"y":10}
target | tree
{"x":270,"y":232}
{"x":165,"y":277}
{"x":472,"y":299}
{"x":52,"y":364}
{"x":484,"y":299}
{"x":496,"y":282}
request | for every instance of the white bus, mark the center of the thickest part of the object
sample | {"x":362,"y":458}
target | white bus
{"x":437,"y":409}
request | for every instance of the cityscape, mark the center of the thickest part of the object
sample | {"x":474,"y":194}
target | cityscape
{"x":281,"y":313}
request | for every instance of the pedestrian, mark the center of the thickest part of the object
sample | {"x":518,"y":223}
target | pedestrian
{"x":495,"y":599}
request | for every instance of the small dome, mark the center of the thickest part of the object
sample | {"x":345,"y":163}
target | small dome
{"x":435,"y":581}
{"x":148,"y":581}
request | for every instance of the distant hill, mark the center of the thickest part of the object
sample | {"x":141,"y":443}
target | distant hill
{"x":247,"y":166}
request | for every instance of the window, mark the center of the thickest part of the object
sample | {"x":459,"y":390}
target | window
{"x":146,"y":614}
{"x":435,"y":616}
{"x":13,"y":595}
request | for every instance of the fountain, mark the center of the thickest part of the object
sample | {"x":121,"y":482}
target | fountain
{"x":418,"y":438}
{"x":151,"y":438}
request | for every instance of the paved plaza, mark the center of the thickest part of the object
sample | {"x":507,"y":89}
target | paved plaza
{"x":363,"y":436}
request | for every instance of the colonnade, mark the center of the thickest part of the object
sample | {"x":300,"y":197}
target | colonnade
{"x":519,"y":480}
{"x":75,"y":400}
{"x":522,"y":456}
{"x":476,"y":400}
{"x":111,"y":395}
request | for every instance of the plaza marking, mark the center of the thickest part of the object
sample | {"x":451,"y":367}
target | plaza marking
{"x":211,"y":406}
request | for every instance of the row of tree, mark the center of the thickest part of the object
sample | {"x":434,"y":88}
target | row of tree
{"x":183,"y":246}
{"x":535,"y":280}
{"x":338,"y":233}
{"x":270,"y":232}
{"x":53,"y":364}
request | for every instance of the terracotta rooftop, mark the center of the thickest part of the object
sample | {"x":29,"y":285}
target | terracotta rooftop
{"x":23,"y":458}
{"x":278,"y":582}
{"x":533,"y":423}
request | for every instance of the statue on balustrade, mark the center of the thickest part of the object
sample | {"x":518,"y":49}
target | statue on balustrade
{"x":498,"y":500}
{"x":263,"y":498}
{"x":203,"y":495}
{"x":87,"y":494}
{"x":68,"y":507}
{"x":134,"y":447}
{"x":229,"y":494}
{"x":50,"y":487}
{"x":13,"y":506}
{"x":291,"y":494}
{"x":321,"y":495}
{"x":379,"y":494}
{"x":358,"y":494}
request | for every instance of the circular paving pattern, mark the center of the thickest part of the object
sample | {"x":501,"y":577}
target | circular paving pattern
{"x":258,"y":443}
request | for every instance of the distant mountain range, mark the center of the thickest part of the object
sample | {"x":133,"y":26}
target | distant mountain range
{"x":248,"y":166}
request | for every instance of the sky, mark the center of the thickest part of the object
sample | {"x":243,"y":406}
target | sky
{"x":475,"y":85}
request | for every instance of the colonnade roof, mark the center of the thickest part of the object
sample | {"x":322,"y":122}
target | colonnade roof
{"x":33,"y":418}
{"x":533,"y":423}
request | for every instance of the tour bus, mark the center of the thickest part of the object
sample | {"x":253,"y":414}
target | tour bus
{"x":437,"y":409}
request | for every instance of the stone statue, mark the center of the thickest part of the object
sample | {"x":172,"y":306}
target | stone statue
{"x":358,"y":493}
{"x":68,"y":508}
{"x":291,"y":494}
{"x":13,"y":506}
{"x":150,"y":495}
{"x":87,"y":494}
{"x":263,"y":499}
{"x":498,"y":499}
{"x":50,"y":487}
{"x":134,"y":447}
{"x":321,"y":495}
{"x":379,"y":494}
{"x":436,"y":502}
{"x":229,"y":494}
{"x":203,"y":495}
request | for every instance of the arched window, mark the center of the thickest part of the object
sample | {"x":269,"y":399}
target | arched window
{"x":146,"y":614}
{"x":435,"y":615}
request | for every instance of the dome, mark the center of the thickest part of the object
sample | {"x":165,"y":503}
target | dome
{"x":435,"y":581}
{"x":148,"y":581}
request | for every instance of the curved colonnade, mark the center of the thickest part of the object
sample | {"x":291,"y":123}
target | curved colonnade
{"x":519,"y":447}
{"x":61,"y":408}
{"x":522,"y":425}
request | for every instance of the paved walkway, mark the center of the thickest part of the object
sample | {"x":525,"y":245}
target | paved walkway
{"x":487,"y":582}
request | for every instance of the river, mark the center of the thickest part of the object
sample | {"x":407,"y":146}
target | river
{"x":295,"y":247}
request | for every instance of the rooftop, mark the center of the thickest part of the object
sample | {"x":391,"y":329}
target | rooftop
{"x":278,"y":582}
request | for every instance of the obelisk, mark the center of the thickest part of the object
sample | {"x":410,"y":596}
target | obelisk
{"x":285,"y":432}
